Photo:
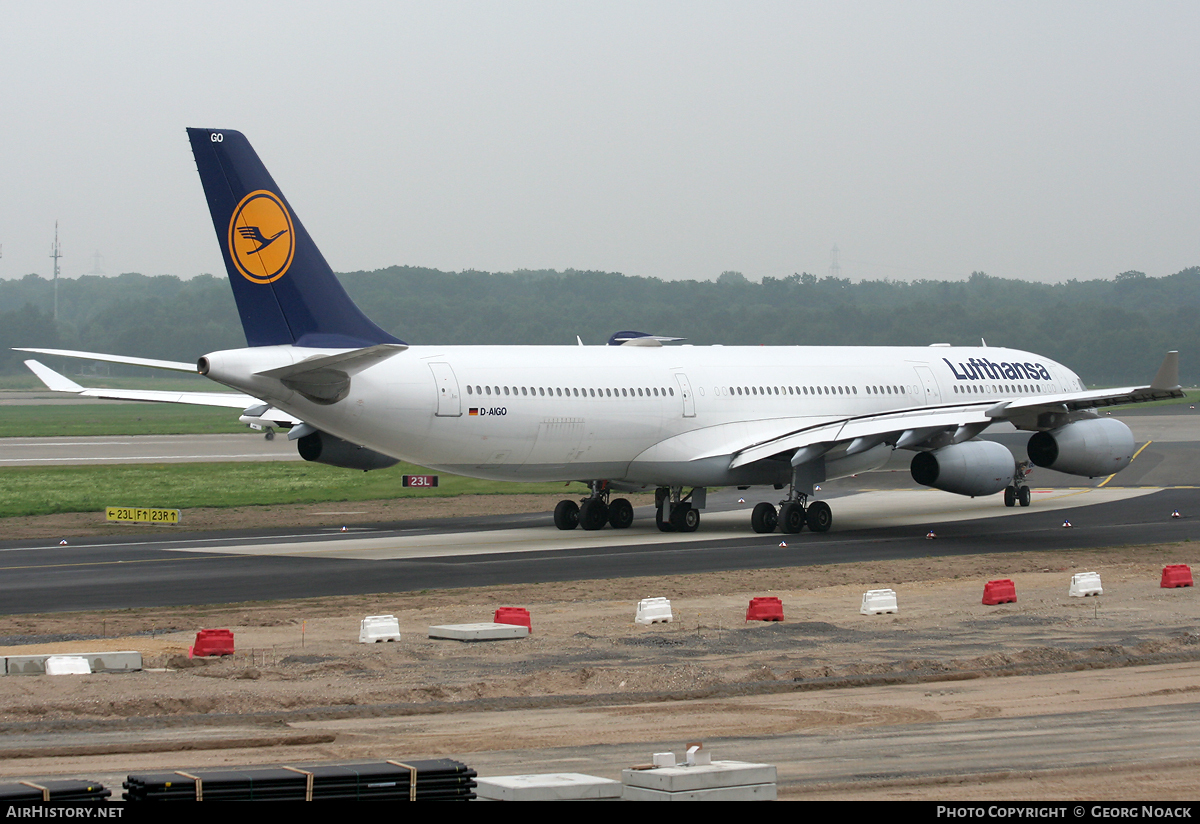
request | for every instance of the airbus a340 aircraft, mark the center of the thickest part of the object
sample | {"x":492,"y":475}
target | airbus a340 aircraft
{"x":631,"y":415}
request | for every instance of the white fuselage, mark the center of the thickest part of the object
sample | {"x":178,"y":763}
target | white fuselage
{"x":639,"y":415}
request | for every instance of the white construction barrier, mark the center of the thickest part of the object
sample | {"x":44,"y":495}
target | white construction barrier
{"x":718,"y":781}
{"x":67,"y":665}
{"x":653,"y":611}
{"x":547,"y":787}
{"x":1085,"y":583}
{"x":478,"y":632}
{"x":879,"y":601}
{"x":377,"y":628}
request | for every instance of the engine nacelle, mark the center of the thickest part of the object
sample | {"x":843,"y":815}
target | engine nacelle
{"x":1095,"y":447}
{"x":321,"y":447}
{"x":971,"y":468}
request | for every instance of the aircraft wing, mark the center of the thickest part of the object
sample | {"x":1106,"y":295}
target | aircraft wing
{"x":231,"y":400}
{"x":902,"y":428}
{"x":930,"y":427}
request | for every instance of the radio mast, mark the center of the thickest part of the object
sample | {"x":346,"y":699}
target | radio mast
{"x":56,"y":253}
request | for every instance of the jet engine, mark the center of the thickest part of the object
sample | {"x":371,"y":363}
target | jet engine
{"x":970,"y":468}
{"x":321,"y":447}
{"x":1100,"y":446}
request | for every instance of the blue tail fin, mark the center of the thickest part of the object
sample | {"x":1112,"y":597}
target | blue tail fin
{"x":285,"y":291}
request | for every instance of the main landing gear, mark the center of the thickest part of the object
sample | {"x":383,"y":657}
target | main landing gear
{"x":674,"y":511}
{"x":594,"y":511}
{"x":792,"y":515}
{"x":1018,"y":492}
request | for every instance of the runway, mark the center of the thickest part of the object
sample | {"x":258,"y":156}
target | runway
{"x":167,"y":569}
{"x":861,"y":511}
{"x":876,"y":516}
{"x":122,"y":449}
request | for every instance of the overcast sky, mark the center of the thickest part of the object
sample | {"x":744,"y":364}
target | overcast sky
{"x":1042,"y":140}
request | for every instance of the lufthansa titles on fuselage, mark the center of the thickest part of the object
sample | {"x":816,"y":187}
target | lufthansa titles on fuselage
{"x":976,"y":369}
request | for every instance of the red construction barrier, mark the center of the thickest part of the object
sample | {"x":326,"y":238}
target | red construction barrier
{"x":1003,"y":591}
{"x":1176,"y":575}
{"x":519,"y":616}
{"x":212,"y":642}
{"x":766,"y":608}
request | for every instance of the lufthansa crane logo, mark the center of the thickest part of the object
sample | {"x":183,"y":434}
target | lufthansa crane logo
{"x":261,"y":237}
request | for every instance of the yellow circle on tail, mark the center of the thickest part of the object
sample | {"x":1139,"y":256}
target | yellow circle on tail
{"x":261,"y":237}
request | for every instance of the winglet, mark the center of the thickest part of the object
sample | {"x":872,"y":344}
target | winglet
{"x":54,"y":381}
{"x":1168,"y":373}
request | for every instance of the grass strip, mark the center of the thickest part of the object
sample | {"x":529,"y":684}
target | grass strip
{"x":98,"y":419}
{"x":49,"y":490}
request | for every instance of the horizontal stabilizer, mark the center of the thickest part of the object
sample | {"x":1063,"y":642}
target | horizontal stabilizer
{"x":152,"y":363}
{"x":326,"y":378}
{"x":349,"y":363}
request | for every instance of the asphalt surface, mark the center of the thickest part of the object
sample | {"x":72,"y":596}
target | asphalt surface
{"x":876,"y":516}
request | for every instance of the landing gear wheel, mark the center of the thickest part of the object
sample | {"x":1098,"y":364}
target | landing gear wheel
{"x":269,"y":434}
{"x":661,"y":522}
{"x":819,"y":517}
{"x":566,"y":515}
{"x":1023,"y":496}
{"x":791,"y":517}
{"x":684,"y":518}
{"x":764,"y":518}
{"x":620,"y":514}
{"x":593,"y":514}
{"x":1010,"y":496}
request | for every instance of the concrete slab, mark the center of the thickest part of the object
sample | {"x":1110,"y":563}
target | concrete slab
{"x":547,"y":787}
{"x":718,"y":774}
{"x":478,"y":632}
{"x":35,"y":664}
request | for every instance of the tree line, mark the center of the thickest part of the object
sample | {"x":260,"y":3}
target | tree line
{"x":1109,"y":331}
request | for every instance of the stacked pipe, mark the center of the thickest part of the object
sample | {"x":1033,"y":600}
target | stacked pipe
{"x":440,"y":779}
{"x":58,"y":792}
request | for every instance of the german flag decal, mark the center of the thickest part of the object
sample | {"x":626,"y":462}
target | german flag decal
{"x":474,"y":410}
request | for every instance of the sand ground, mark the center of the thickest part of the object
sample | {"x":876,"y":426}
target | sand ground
{"x":301,"y":687}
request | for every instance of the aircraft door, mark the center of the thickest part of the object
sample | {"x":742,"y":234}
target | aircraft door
{"x":449,"y":404}
{"x":685,"y":390}
{"x":929,"y":384}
